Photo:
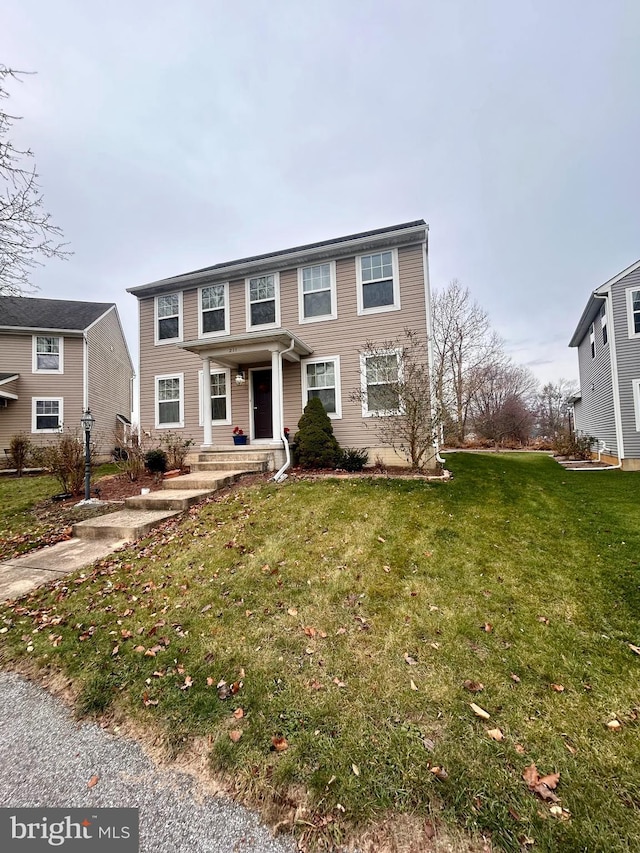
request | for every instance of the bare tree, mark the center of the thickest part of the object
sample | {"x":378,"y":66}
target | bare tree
{"x":503,"y":402}
{"x":464,"y":343}
{"x":553,"y":408}
{"x":395,"y":391}
{"x":26,"y":230}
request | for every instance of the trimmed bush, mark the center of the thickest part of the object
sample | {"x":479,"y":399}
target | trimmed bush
{"x":315,"y":445}
{"x":19,"y":452}
{"x":156,"y":461}
{"x":64,"y":457}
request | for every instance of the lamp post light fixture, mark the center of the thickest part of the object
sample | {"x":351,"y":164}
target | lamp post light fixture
{"x":87,"y":420}
{"x":240,"y":378}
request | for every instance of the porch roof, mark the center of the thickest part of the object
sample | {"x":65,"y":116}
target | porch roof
{"x":232,"y":350}
{"x":7,"y":387}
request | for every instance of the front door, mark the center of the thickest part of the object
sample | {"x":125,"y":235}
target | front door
{"x":262,"y":412}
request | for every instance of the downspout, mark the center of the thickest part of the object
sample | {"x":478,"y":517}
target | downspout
{"x":280,"y":475}
{"x":427,"y":299}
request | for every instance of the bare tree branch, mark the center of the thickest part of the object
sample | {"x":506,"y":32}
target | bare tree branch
{"x":27,"y":233}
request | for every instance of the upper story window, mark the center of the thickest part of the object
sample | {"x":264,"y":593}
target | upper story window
{"x":169,"y":318}
{"x":633,"y":312}
{"x":46,"y":414}
{"x":378,"y":283}
{"x":380,"y":373}
{"x":321,"y":378}
{"x":592,"y":340}
{"x":263,"y":301}
{"x":603,"y":323}
{"x":48,"y":354}
{"x":317,"y":292}
{"x":169,"y":400}
{"x":214,"y":312}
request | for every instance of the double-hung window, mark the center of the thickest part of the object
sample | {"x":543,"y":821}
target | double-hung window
{"x":169,"y":400}
{"x":317,"y":292}
{"x":169,"y":318}
{"x":378,"y":283}
{"x":321,"y":378}
{"x":46,"y":414}
{"x":263,"y":301}
{"x":220,"y":397}
{"x":214,"y":314}
{"x":380,"y":375}
{"x":633,"y":311}
{"x":47,"y":354}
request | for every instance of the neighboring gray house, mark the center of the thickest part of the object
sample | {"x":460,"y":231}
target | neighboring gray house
{"x":248,"y":342}
{"x":56,"y":358}
{"x":608,"y":342}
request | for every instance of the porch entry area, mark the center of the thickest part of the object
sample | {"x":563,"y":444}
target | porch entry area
{"x":262,"y":403}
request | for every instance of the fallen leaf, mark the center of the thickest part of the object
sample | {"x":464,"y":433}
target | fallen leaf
{"x":355,"y":769}
{"x":559,"y":688}
{"x":292,"y":611}
{"x":235,"y":735}
{"x":309,"y":631}
{"x":515,"y":678}
{"x":429,"y":831}
{"x":380,"y":539}
{"x":209,"y":681}
{"x":409,"y":660}
{"x":115,"y":650}
{"x":147,"y":701}
{"x":479,"y":712}
{"x":519,"y":748}
{"x":316,"y":685}
{"x":339,"y":683}
{"x":531,"y":776}
{"x":140,"y":649}
{"x":551,"y":781}
{"x":93,"y":781}
{"x":560,"y":813}
{"x":614,"y":725}
{"x":473,"y":686}
{"x":238,"y":713}
{"x":341,"y":631}
{"x":545,"y":793}
{"x":570,"y":748}
{"x":279,"y":744}
{"x":487,"y":627}
{"x":413,"y":685}
{"x":440,"y":773}
{"x":495,"y":734}
{"x":514,"y":814}
{"x":634,"y":649}
{"x":543,"y":619}
{"x":188,"y":682}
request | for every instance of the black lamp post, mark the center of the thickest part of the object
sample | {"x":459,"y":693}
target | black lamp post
{"x":87,"y":420}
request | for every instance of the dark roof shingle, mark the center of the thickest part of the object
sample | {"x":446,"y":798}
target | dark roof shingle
{"x":23,"y":312}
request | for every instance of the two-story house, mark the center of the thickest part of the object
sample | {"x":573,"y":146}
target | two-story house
{"x":608,"y":342}
{"x":58,"y":357}
{"x":248,"y":342}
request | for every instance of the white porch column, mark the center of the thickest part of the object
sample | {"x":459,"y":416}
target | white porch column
{"x":205,"y":396}
{"x":276,"y":394}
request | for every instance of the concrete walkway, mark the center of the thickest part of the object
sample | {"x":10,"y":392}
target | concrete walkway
{"x":97,"y":537}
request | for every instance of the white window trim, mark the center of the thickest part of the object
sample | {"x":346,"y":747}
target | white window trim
{"x":380,"y":309}
{"x":34,"y":402}
{"x":156,"y":380}
{"x":161,"y":342}
{"x":227,"y":372}
{"x":603,"y":325}
{"x":333,"y":314}
{"x":592,"y":340}
{"x":337,"y":415}
{"x":635,"y":384}
{"x":224,"y":331}
{"x":630,"y":323}
{"x":34,"y":366}
{"x":276,"y":281}
{"x":363,"y":381}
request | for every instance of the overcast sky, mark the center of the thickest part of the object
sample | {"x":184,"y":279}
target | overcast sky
{"x":171,"y":136}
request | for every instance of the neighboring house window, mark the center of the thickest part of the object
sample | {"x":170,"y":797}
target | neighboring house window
{"x":263,"y":303}
{"x":46,"y":414}
{"x":169,"y":400}
{"x":321,"y":378}
{"x":48,"y":354}
{"x":592,"y":340}
{"x":603,"y":324}
{"x":636,"y":401}
{"x":169,"y":318}
{"x":317,"y":292}
{"x":214,"y":315}
{"x":633,"y":312}
{"x":220,"y":397}
{"x":380,"y":373}
{"x":378,"y":285}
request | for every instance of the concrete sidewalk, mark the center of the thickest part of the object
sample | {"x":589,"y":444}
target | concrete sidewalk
{"x":22,"y":574}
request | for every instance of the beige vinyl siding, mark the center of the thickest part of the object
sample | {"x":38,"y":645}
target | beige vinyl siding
{"x":110,"y":375}
{"x":16,"y":352}
{"x":343,"y":336}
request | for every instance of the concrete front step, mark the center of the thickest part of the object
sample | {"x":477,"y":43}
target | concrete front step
{"x":241,"y":465}
{"x":127,"y":524}
{"x":202,"y":480}
{"x":180,"y":499}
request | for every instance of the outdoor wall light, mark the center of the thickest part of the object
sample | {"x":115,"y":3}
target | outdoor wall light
{"x":240,"y":379}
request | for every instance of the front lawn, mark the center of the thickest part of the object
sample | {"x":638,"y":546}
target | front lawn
{"x":345,"y":617}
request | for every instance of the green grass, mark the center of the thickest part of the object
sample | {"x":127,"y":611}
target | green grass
{"x":549,"y":559}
